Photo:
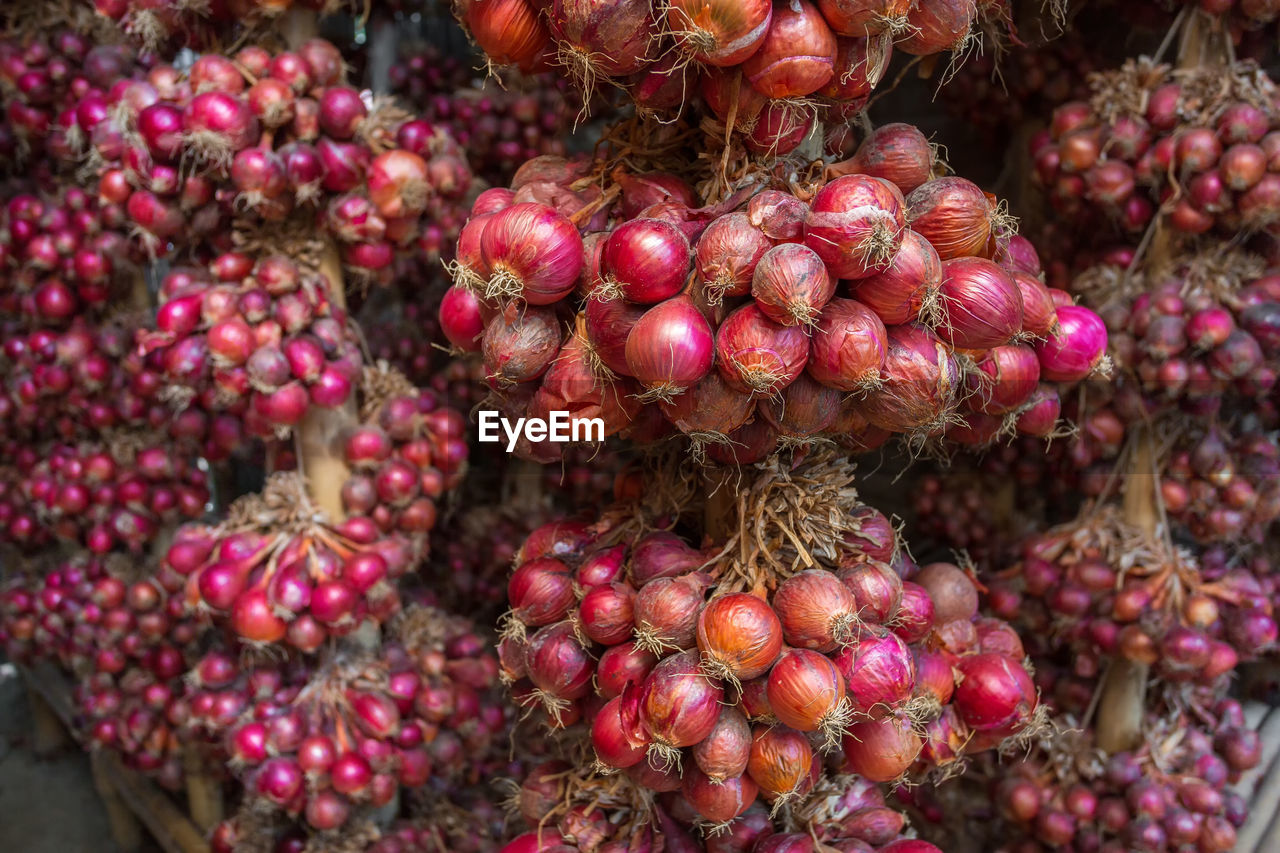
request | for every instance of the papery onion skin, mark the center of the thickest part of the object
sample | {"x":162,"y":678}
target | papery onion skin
{"x":1004,"y":378}
{"x":610,"y":740}
{"x":646,"y":260}
{"x":710,"y":408}
{"x":862,"y":17}
{"x":671,"y":347}
{"x":816,"y":610}
{"x":604,"y":38}
{"x":520,"y":344}
{"x":920,"y":382}
{"x":804,"y":689}
{"x":720,"y":33}
{"x":937,"y":26}
{"x":1076,"y":348}
{"x":510,"y":32}
{"x":860,"y":63}
{"x":727,"y":254}
{"x":900,"y":154}
{"x":898,"y":292}
{"x":881,"y":750}
{"x":993,"y":692}
{"x":879,"y":673}
{"x":981,"y":303}
{"x":739,"y":635}
{"x":856,"y":224}
{"x":679,"y":704}
{"x":779,"y":215}
{"x":780,"y":759}
{"x":848,"y":346}
{"x":776,"y":70}
{"x":756,"y":355}
{"x":532,"y":251}
{"x":724,"y":753}
{"x":954,"y":214}
{"x":791,"y":285}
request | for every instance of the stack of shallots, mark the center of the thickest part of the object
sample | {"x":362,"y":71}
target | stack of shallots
{"x":886,"y":302}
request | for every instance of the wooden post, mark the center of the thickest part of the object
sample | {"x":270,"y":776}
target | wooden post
{"x":321,"y":431}
{"x":300,"y":24}
{"x":49,"y":735}
{"x":204,"y":794}
{"x":126,"y":832}
{"x":1122,"y":703}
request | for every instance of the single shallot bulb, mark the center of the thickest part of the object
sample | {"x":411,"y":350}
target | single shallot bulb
{"x":597,"y":38}
{"x":739,"y":636}
{"x":856,"y":225}
{"x":911,"y":281}
{"x":898,"y":153}
{"x":724,"y":753}
{"x":797,"y":56}
{"x":791,"y":285}
{"x":981,"y":304}
{"x":1039,"y":314}
{"x":882,"y":750}
{"x":727,"y":255}
{"x":807,"y":692}
{"x":666,"y":612}
{"x":816,"y":610}
{"x":679,"y":707}
{"x":709,"y":410}
{"x":718,"y":801}
{"x":780,"y":760}
{"x":994,"y":692}
{"x":644,"y":261}
{"x":756,"y":355}
{"x":847,"y":348}
{"x":533,"y":252}
{"x":520,"y":344}
{"x":670,"y":348}
{"x":720,"y":33}
{"x":1003,"y":379}
{"x":920,"y":383}
{"x":1076,"y":348}
{"x":879,"y":674}
{"x":953,"y":214}
{"x":608,"y":323}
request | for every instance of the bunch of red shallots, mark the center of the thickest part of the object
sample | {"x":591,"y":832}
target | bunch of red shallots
{"x":731,"y":324}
